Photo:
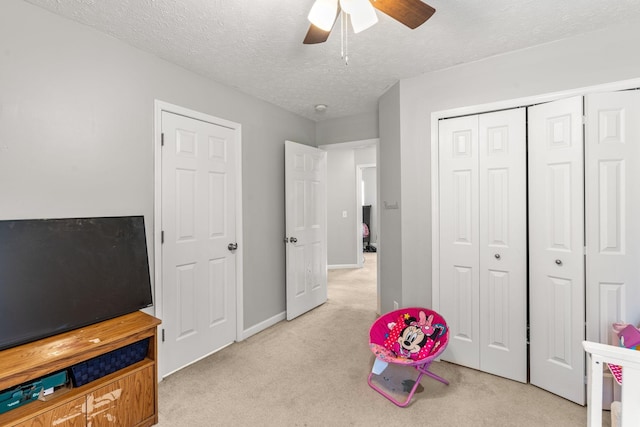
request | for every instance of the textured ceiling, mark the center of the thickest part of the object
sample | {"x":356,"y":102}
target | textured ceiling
{"x":256,"y":45}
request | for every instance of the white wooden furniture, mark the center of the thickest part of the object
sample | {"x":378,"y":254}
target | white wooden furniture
{"x":598,"y":355}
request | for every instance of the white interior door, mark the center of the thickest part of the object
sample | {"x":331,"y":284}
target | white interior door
{"x":613,"y":208}
{"x":503,"y":243}
{"x":556,"y":248}
{"x":483,"y":243}
{"x":306,"y":227}
{"x":459,"y":238}
{"x":198,"y":223}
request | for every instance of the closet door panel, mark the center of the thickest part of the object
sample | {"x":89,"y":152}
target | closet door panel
{"x":503,"y":243}
{"x":556,"y":248}
{"x":458,"y":150}
{"x":613,"y":209}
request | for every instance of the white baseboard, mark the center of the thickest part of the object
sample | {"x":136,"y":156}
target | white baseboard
{"x":263,"y":325}
{"x":339,"y":266}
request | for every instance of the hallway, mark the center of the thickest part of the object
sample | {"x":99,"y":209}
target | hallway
{"x":342,"y":283}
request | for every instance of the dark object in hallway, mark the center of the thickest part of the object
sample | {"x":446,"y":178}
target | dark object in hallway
{"x":366,"y":229}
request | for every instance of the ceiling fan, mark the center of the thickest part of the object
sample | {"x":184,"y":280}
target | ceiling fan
{"x":324,"y":14}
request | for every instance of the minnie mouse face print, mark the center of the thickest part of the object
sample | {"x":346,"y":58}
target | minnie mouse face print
{"x":412,"y":339}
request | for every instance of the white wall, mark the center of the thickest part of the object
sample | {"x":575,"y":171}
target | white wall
{"x":599,"y":57}
{"x":389,"y":174}
{"x":370,"y":198}
{"x":344,"y":129}
{"x":76,"y":137}
{"x":341,"y":197}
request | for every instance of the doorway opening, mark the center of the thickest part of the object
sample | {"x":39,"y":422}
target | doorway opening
{"x":368,"y":184}
{"x":352,"y":212}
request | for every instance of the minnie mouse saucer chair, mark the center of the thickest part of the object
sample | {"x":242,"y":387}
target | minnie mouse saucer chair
{"x":413,"y":337}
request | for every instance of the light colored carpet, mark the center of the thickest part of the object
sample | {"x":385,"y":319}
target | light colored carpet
{"x":313,"y":371}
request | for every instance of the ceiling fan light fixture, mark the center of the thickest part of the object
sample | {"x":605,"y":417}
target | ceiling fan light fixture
{"x":363,"y":16}
{"x":347,"y":6}
{"x":323,"y":14}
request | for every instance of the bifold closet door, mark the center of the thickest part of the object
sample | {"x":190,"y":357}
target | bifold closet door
{"x":503,"y":244}
{"x":483,"y":241}
{"x":460,"y":238}
{"x":556,"y":248}
{"x":613,"y":211}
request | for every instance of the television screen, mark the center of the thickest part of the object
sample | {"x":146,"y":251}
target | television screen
{"x":61,"y":274}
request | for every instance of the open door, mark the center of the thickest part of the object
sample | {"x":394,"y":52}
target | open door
{"x":306,"y":227}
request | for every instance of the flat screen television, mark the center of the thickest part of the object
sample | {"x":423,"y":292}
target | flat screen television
{"x":62,"y":274}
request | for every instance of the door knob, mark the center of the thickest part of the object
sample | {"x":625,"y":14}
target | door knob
{"x":293,"y":240}
{"x":232,"y":246}
{"x":559,"y":262}
{"x":497,"y":256}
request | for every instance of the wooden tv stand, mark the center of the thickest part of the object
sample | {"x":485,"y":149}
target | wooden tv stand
{"x":127,"y":398}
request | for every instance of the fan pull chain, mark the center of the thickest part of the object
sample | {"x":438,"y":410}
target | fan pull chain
{"x":344,"y":41}
{"x":342,"y":35}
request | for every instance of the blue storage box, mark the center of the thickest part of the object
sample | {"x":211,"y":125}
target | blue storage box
{"x":25,"y":393}
{"x":98,"y":367}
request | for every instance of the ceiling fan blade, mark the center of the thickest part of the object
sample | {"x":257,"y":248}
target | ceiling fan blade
{"x":411,"y":13}
{"x":318,"y":35}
